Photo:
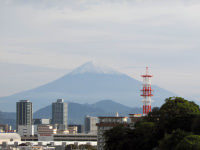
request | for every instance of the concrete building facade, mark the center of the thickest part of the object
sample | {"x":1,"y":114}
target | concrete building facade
{"x":37,"y":122}
{"x":90,"y":124}
{"x":46,"y":132}
{"x":25,"y":130}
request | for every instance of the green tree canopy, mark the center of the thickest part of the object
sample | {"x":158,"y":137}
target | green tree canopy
{"x":119,"y":137}
{"x":196,"y":125}
{"x":142,"y":137}
{"x":191,"y":142}
{"x":171,"y":123}
{"x":176,"y":113}
{"x":147,"y":135}
{"x":170,"y":141}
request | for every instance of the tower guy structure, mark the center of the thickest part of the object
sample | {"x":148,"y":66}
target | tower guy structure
{"x":146,"y":92}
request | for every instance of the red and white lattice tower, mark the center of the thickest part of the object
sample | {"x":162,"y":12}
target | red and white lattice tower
{"x":146,"y":92}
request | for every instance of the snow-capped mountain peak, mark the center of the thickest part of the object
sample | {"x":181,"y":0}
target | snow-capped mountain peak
{"x":91,"y":67}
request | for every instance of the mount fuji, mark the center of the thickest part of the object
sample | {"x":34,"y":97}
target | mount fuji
{"x":88,"y":83}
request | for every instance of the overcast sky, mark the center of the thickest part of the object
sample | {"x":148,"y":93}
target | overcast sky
{"x":41,"y":40}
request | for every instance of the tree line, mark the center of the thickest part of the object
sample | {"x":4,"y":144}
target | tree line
{"x":173,"y":126}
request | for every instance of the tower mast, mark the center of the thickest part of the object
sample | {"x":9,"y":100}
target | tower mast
{"x":146,"y":92}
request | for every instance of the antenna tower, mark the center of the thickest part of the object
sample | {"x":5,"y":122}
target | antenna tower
{"x":146,"y":92}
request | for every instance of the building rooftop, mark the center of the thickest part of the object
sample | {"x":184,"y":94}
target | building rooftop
{"x":14,"y":136}
{"x":110,"y":117}
{"x":135,"y":115}
{"x":60,"y":100}
{"x":24,"y":100}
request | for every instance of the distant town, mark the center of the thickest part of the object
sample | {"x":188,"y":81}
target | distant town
{"x":57,"y":134}
{"x":152,"y":129}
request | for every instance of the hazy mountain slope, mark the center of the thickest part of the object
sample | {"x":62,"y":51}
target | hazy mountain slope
{"x":87,"y":84}
{"x":77,"y":112}
{"x":111,"y":106}
{"x":8,"y":118}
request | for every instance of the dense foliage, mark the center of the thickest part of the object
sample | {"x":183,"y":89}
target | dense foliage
{"x":191,"y":142}
{"x":76,"y":146}
{"x":176,"y":113}
{"x":170,"y":141}
{"x":168,"y":128}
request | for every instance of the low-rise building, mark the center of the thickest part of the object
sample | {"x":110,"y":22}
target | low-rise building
{"x":26,"y":130}
{"x":9,"y":137}
{"x":135,"y":117}
{"x":37,"y":122}
{"x":80,"y":128}
{"x":59,"y":131}
{"x":46,"y":132}
{"x":73,"y":129}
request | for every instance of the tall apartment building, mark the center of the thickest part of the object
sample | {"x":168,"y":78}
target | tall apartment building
{"x":90,"y":124}
{"x":24,"y":117}
{"x":59,"y":114}
{"x":107,"y":123}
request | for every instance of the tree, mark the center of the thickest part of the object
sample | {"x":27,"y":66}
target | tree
{"x":142,"y":137}
{"x":170,"y":123}
{"x":177,"y":113}
{"x":170,"y":141}
{"x":191,"y":142}
{"x":196,"y":125}
{"x":118,"y":137}
{"x":154,"y":115}
{"x":147,"y":135}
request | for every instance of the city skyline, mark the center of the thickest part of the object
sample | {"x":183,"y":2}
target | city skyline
{"x":53,"y":38}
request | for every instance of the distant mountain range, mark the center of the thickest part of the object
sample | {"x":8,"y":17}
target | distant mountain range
{"x":88,"y":83}
{"x":8,"y":118}
{"x":77,"y":112}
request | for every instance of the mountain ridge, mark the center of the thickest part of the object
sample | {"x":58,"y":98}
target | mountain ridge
{"x":77,"y":117}
{"x":76,"y":112}
{"x":86,"y":87}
